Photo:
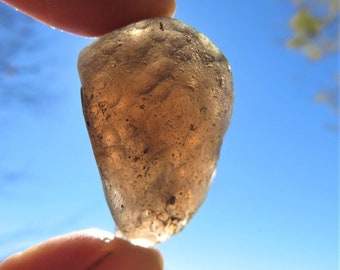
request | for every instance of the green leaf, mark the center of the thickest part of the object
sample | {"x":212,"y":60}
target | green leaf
{"x":306,"y":24}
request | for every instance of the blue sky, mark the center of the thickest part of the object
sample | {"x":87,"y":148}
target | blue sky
{"x":274,"y":202}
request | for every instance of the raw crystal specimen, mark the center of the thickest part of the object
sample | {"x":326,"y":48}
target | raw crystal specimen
{"x":157,"y":98}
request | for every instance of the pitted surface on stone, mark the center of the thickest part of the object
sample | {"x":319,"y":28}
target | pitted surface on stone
{"x":157,"y":99}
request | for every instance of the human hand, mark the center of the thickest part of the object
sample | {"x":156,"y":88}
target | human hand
{"x":89,"y":249}
{"x":93,"y":18}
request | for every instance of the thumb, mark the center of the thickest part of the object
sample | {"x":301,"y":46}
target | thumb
{"x":89,"y":249}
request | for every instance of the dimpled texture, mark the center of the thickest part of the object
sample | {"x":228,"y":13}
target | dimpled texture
{"x":157,"y":98}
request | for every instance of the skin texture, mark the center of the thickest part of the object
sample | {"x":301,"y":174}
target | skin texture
{"x":88,"y":250}
{"x":93,"y":18}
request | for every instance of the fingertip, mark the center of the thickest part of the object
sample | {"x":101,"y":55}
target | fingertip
{"x":126,"y":256}
{"x":93,"y":18}
{"x":72,"y":251}
{"x":90,"y":249}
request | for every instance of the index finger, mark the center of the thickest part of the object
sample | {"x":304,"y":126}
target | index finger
{"x":93,"y":18}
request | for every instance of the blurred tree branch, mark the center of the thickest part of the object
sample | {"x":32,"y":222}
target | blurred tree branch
{"x":315,"y":32}
{"x":315,"y":27}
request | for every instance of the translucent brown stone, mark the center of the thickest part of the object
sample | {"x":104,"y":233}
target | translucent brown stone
{"x":157,"y":98}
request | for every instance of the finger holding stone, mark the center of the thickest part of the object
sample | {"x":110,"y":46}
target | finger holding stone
{"x":93,"y":18}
